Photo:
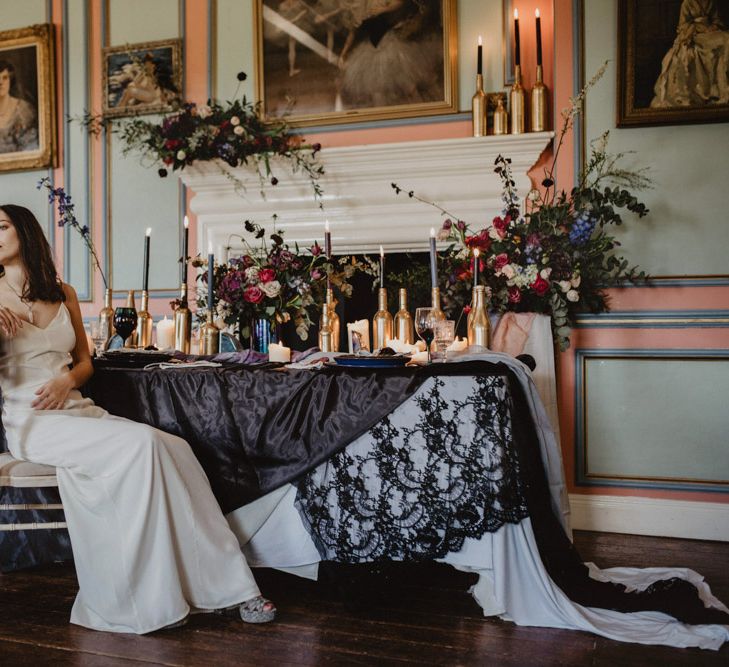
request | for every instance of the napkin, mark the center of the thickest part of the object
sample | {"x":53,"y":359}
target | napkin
{"x":166,"y":365}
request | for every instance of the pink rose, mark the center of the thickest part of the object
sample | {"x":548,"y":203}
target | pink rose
{"x":540,"y":286}
{"x":514,"y":294}
{"x":266,"y":275}
{"x":500,"y":261}
{"x":253,"y":294}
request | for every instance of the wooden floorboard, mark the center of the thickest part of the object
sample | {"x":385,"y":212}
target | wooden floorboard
{"x":398,"y":615}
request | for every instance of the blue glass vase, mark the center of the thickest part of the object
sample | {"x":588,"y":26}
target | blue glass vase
{"x":263,"y":333}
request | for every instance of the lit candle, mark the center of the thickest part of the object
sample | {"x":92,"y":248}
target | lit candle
{"x":183,"y":269}
{"x":517,"y":57}
{"x":476,"y":261}
{"x":433,"y":260}
{"x":166,"y":334}
{"x":327,"y":240}
{"x":479,"y":60}
{"x":382,"y":267}
{"x":145,"y":278}
{"x":211,"y":278}
{"x":539,"y":36}
{"x":279,"y":353}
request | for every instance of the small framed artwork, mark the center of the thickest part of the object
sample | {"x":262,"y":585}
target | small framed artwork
{"x":27,"y":99}
{"x":673,"y":57}
{"x":142,"y":78}
{"x":340,"y":61}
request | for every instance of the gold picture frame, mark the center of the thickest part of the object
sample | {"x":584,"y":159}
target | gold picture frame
{"x":27,"y":95}
{"x":330,"y":62}
{"x":660,"y":47}
{"x":142,"y":78}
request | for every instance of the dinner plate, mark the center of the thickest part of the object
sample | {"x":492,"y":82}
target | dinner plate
{"x":371,"y":362}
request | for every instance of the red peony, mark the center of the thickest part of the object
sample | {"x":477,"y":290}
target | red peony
{"x":540,"y":286}
{"x":253,"y":294}
{"x":514,"y":294}
{"x":500,"y":261}
{"x":266,"y":275}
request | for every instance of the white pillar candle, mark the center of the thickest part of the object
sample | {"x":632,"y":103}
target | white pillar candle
{"x":166,"y":334}
{"x":279,"y":353}
{"x":458,"y":345}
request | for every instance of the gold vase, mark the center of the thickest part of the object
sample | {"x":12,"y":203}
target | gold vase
{"x":538,"y":117}
{"x":381,"y":322}
{"x":106,"y":317}
{"x":516,"y":97}
{"x":183,"y":323}
{"x":501,"y":118}
{"x":437,"y":313}
{"x":209,"y":336}
{"x":403,"y":323}
{"x":479,"y":325}
{"x":333,"y":321}
{"x":132,"y":340}
{"x":144,"y":323}
{"x":325,"y":329}
{"x":478,"y":109}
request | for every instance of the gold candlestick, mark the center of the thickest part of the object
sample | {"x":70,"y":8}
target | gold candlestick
{"x":144,"y":323}
{"x":516,"y":97}
{"x":381,"y":322}
{"x":403,"y":322}
{"x":478,"y":109}
{"x":437,"y":313}
{"x":325,"y":330}
{"x":106,"y":317}
{"x":183,"y":323}
{"x":132,"y":340}
{"x":333,"y":321}
{"x":209,"y":336}
{"x":538,"y":117}
{"x":479,"y":325}
{"x":501,"y":118}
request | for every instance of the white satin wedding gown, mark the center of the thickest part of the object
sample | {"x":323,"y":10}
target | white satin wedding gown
{"x":148,"y":537}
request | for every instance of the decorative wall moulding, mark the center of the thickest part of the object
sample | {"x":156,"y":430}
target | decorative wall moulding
{"x":359,"y":202}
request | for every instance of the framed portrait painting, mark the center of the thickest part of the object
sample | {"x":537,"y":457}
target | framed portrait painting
{"x":142,"y":78}
{"x":673,"y":62}
{"x":339,"y":61}
{"x":27,"y":98}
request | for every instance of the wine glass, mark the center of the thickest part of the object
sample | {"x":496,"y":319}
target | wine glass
{"x":125,"y":321}
{"x":425,"y":326}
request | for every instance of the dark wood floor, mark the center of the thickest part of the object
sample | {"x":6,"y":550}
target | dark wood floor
{"x":398,"y":615}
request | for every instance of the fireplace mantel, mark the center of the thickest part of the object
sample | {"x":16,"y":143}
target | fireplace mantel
{"x":363,"y":210}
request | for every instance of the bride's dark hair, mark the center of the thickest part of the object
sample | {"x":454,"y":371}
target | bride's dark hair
{"x":43,"y":283}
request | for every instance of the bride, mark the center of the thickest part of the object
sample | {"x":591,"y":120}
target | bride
{"x":149,"y":541}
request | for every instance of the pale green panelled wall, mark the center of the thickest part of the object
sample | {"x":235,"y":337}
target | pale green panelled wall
{"x":19,"y":187}
{"x":679,"y":430}
{"x":139,"y":198}
{"x":687,"y":230}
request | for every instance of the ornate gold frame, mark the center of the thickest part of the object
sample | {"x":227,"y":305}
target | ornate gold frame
{"x":40,"y":36}
{"x":176,"y":47}
{"x":449,"y":103}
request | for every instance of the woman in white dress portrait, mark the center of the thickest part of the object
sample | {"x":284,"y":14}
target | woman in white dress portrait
{"x":18,"y":119}
{"x":150,"y":543}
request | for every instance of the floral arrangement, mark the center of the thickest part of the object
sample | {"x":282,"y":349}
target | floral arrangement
{"x":231,"y":132}
{"x":67,"y":217}
{"x":274,"y":283}
{"x":557,"y":256}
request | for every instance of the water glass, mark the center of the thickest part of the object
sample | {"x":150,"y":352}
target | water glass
{"x":98,"y":337}
{"x":445,"y":331}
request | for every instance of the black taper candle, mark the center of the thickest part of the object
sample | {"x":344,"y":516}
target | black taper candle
{"x":145,"y":277}
{"x":517,"y":49}
{"x":539,"y":38}
{"x":183,"y":268}
{"x":479,"y":59}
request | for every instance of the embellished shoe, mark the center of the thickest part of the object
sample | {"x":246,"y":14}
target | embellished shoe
{"x":177,"y":624}
{"x":257,"y":610}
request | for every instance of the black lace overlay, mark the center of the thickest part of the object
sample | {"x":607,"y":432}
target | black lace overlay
{"x":437,"y":470}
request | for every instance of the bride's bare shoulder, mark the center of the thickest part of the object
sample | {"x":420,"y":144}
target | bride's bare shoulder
{"x":70,"y":293}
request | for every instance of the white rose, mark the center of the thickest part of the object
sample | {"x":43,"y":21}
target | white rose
{"x":508,"y":271}
{"x":576,"y":280}
{"x":204,"y":111}
{"x":271,"y":289}
{"x":238,"y":130}
{"x":545,"y":273}
{"x":181,"y":155}
{"x":564,"y":285}
{"x":235,"y":120}
{"x":573,"y":295}
{"x":252,"y":274}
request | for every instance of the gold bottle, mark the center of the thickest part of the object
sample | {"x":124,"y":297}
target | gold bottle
{"x":478,"y":109}
{"x":381,"y":322}
{"x":132,"y":340}
{"x":437,"y":314}
{"x":325,"y":329}
{"x":106,"y":317}
{"x":209,"y":336}
{"x":538,"y":116}
{"x":144,"y":323}
{"x":403,"y":323}
{"x":479,"y":326}
{"x":501,"y":118}
{"x":333,"y":321}
{"x":183,"y":323}
{"x":516,"y":97}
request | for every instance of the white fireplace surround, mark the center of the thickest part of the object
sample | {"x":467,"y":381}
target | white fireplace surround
{"x":362,"y":208}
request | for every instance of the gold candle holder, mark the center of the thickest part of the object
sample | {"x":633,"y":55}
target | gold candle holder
{"x":183,"y":323}
{"x":478,"y":109}
{"x":325,"y":330}
{"x":106,"y":317}
{"x":501,"y":118}
{"x":209,"y":336}
{"x":144,"y":323}
{"x":479,"y":325}
{"x":516,"y":97}
{"x":132,"y":340}
{"x":403,"y":322}
{"x":437,"y":313}
{"x":381,"y":322}
{"x":331,"y":302}
{"x":538,"y":117}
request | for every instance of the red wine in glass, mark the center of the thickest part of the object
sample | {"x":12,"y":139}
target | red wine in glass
{"x":425,"y":326}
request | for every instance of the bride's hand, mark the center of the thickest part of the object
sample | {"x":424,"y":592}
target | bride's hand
{"x":9,"y":322}
{"x":53,"y":394}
